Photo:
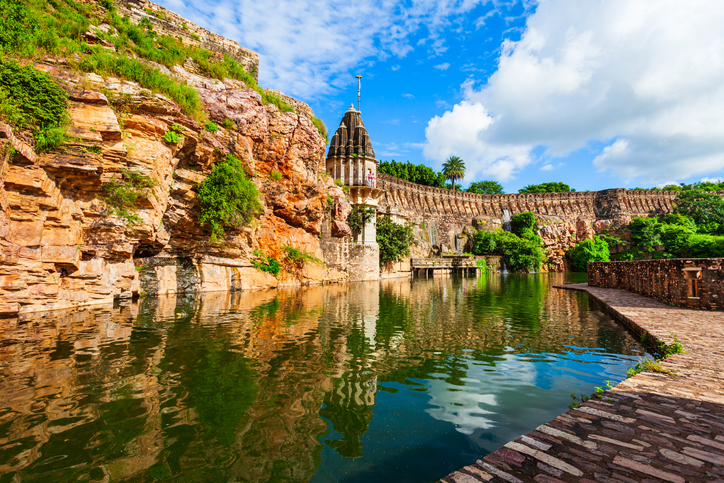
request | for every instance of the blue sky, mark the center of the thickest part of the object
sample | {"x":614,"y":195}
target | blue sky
{"x":597,"y":94}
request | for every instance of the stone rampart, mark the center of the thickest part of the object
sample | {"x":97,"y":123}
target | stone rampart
{"x":419,"y":200}
{"x":446,"y":213}
{"x":692,"y":283}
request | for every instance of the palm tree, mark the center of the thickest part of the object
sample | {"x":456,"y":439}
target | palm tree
{"x":453,"y":168}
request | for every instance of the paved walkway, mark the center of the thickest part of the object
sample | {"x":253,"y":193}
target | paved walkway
{"x":650,"y":428}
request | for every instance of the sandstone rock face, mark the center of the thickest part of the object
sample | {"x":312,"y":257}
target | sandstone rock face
{"x":560,"y":237}
{"x":60,"y":247}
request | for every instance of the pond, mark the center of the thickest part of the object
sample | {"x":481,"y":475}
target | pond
{"x":392,"y":381}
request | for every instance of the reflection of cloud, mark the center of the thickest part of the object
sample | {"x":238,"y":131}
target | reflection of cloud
{"x":464,"y":405}
{"x":462,"y":408}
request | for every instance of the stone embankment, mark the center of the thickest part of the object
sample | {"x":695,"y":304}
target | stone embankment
{"x":652,"y":427}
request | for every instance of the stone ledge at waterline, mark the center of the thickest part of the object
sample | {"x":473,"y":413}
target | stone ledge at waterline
{"x":695,"y":283}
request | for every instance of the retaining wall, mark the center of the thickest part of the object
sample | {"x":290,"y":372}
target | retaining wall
{"x":685,"y":282}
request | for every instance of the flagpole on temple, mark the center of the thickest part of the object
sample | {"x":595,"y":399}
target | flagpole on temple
{"x":359,"y":90}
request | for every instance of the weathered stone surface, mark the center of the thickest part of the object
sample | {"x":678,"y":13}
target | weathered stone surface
{"x":340,"y":229}
{"x":61,"y":247}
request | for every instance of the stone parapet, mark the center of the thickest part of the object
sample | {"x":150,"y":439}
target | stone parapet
{"x":685,"y":282}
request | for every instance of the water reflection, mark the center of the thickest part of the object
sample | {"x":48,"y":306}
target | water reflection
{"x":393,"y":381}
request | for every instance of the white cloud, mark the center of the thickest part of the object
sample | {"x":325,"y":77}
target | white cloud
{"x":712,"y":180}
{"x":395,"y":68}
{"x":644,"y":78}
{"x":408,"y":96}
{"x":307,"y":48}
{"x":444,"y":66}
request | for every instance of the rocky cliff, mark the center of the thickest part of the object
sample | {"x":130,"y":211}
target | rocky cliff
{"x":62,"y":247}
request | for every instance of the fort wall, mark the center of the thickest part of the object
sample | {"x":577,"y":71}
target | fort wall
{"x":446,"y":214}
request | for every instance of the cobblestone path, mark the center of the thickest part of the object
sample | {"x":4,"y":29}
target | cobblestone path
{"x":652,"y":427}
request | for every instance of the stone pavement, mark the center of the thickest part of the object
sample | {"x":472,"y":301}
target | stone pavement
{"x":652,"y":427}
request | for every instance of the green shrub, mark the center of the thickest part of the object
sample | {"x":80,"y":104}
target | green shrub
{"x":275,"y":175}
{"x":266,"y":264}
{"x":178,"y":128}
{"x":210,"y":126}
{"x":319,"y":124}
{"x":121,"y":195}
{"x":271,"y":98}
{"x":523,"y":222}
{"x":359,"y":217}
{"x":171,"y":137}
{"x":595,"y":250}
{"x":520,"y":252}
{"x":394,"y":239}
{"x":296,"y":259}
{"x":132,"y":69}
{"x":227,"y":198}
{"x":31,"y":99}
{"x":18,"y":25}
{"x":229,"y":124}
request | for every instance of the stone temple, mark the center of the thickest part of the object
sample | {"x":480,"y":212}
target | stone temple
{"x":351,"y":159}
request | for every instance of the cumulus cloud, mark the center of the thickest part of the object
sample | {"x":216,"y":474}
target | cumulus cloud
{"x":307,"y":48}
{"x":444,"y":66}
{"x":645,"y":79}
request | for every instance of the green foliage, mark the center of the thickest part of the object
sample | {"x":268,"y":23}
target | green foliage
{"x":227,"y":198}
{"x":296,"y":258}
{"x":698,"y":186}
{"x":394,"y":240}
{"x":210,"y":126}
{"x":275,"y":175}
{"x":677,"y":234}
{"x":171,"y":137}
{"x":419,"y":174}
{"x":486,"y":188}
{"x":178,"y":128}
{"x":31,"y":99}
{"x":552,"y":187}
{"x":121,"y":196}
{"x":104,"y":63}
{"x":523,"y":223}
{"x":523,"y":252}
{"x":18,"y":25}
{"x":453,"y":168}
{"x":229,"y":124}
{"x":266,"y":264}
{"x":359,"y":216}
{"x":705,"y":209}
{"x":595,"y":250}
{"x":647,"y":364}
{"x":319,"y":124}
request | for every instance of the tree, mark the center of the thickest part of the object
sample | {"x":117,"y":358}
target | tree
{"x":419,"y":173}
{"x":552,"y":187}
{"x":453,"y":168}
{"x":706,"y":209}
{"x":595,"y":250}
{"x":485,"y":188}
{"x":394,"y":239}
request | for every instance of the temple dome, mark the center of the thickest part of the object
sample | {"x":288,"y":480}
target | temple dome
{"x":351,"y":137}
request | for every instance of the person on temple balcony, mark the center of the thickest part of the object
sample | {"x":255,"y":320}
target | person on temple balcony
{"x":370,"y":178}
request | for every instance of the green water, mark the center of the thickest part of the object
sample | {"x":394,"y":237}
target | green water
{"x":392,"y":381}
